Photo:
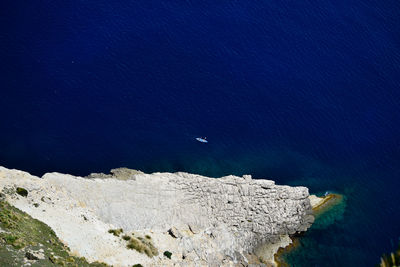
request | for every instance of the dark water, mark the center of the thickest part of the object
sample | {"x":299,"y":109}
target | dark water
{"x":306,"y":93}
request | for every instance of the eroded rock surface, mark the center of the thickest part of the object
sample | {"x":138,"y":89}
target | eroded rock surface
{"x":202,"y":221}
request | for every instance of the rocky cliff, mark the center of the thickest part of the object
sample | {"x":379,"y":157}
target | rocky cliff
{"x":198,"y":220}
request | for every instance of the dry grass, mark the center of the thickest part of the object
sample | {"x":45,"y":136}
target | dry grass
{"x":142,"y":245}
{"x":116,"y":232}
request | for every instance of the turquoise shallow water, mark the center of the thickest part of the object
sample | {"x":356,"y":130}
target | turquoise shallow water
{"x":349,"y":232}
{"x":354,"y":233}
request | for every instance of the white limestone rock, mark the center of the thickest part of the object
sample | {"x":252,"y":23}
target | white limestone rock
{"x":213,"y":222}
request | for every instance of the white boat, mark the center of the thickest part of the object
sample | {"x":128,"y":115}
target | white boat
{"x":203,"y":140}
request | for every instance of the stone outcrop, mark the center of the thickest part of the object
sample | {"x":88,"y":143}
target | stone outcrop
{"x":201,"y":220}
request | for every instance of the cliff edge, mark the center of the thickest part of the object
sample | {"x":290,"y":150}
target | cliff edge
{"x":194,"y":220}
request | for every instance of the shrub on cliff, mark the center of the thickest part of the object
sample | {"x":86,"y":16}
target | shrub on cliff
{"x":167,"y":254}
{"x":135,"y":244}
{"x":392,"y":260}
{"x":116,"y":232}
{"x":142,"y":245}
{"x":22,"y":191}
{"x":126,"y":237}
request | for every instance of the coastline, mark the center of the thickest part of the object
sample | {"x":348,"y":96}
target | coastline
{"x":319,"y":205}
{"x":266,"y":253}
{"x":326,"y":203}
{"x":195,"y":215}
{"x":287,"y":242}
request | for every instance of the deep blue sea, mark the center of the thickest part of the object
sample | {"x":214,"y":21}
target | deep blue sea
{"x":302,"y":92}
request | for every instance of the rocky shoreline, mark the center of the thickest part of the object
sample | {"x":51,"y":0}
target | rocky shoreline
{"x":188,"y":220}
{"x":321,"y":206}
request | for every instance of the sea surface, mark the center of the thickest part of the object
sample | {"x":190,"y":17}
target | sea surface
{"x":301,"y":92}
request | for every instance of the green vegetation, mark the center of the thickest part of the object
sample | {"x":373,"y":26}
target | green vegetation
{"x":142,"y":245}
{"x":137,"y":265}
{"x":116,"y":232}
{"x":391,"y":260}
{"x":136,"y":244}
{"x":21,"y":233}
{"x":126,"y":237}
{"x":22,"y":191}
{"x":167,"y":254}
{"x":13,"y":240}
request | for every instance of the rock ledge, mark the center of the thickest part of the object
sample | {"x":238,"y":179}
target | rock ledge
{"x":200,"y":220}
